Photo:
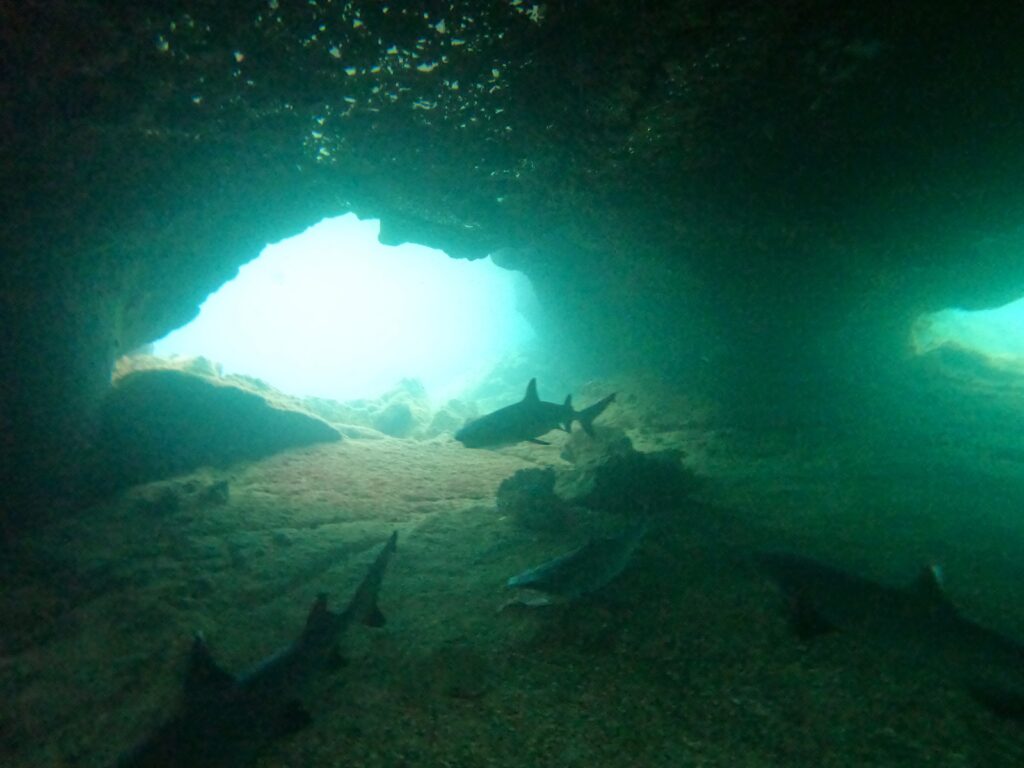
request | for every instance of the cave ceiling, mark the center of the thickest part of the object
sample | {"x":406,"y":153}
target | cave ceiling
{"x":191,"y":133}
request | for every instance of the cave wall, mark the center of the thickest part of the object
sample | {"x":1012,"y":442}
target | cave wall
{"x":686,"y":180}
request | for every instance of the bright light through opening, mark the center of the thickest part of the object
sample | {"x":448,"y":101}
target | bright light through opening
{"x":333,"y":313}
{"x":997,"y":334}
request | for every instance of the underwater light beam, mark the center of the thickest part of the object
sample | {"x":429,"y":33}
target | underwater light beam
{"x":333,"y":313}
{"x":996,"y":334}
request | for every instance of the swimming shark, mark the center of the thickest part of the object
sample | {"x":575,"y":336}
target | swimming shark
{"x":579,"y":572}
{"x":226,"y":721}
{"x":527,"y":420}
{"x":918,"y":618}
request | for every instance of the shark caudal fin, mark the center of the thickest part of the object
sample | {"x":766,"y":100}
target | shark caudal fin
{"x":587,"y":415}
{"x":363,"y":606}
{"x":323,"y":624}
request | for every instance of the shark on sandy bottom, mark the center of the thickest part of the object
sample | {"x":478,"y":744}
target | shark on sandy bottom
{"x":918,"y":618}
{"x":579,"y":572}
{"x":226,"y":721}
{"x":527,"y":420}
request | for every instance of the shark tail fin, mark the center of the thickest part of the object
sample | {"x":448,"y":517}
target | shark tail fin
{"x":363,"y":606}
{"x":587,"y":415}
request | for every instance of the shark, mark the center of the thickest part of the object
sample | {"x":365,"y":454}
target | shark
{"x":226,"y":721}
{"x":919,"y":618}
{"x":579,"y":572}
{"x":527,"y":420}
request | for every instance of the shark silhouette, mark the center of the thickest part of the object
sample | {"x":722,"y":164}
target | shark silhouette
{"x":579,"y":572}
{"x":224,"y":720}
{"x":918,"y":618}
{"x":527,"y":420}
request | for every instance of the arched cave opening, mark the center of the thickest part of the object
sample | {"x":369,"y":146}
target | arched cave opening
{"x":334,"y":314}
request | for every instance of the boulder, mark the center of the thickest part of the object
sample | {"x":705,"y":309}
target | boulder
{"x":158,"y":423}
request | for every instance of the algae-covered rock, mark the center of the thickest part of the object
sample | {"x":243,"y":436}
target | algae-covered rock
{"x":631,"y":483}
{"x":402,"y":412}
{"x":158,"y":423}
{"x":450,"y":417}
{"x":396,"y":420}
{"x":583,"y":449}
{"x":168,"y":497}
{"x":529,"y":498}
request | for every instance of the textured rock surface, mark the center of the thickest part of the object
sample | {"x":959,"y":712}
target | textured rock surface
{"x":686,"y":659}
{"x":162,"y":422}
{"x":724,"y":180}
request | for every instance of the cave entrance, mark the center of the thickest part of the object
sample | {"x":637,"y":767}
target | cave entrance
{"x":994,"y":335}
{"x":333,"y":313}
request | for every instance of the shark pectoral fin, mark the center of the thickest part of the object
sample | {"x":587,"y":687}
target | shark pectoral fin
{"x":204,"y":676}
{"x":806,"y":621}
{"x":538,"y":442}
{"x":294,"y":717}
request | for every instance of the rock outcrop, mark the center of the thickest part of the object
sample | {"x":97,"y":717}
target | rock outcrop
{"x":158,"y":423}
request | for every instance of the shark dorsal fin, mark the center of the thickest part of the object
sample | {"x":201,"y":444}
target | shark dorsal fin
{"x":928,"y":585}
{"x":319,"y":617}
{"x":531,"y":392}
{"x":204,"y":676}
{"x":570,"y":414}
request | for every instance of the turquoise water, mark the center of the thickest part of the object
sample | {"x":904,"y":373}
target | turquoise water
{"x":996,"y":333}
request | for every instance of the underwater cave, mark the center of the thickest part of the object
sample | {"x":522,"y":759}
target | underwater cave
{"x":668,"y":411}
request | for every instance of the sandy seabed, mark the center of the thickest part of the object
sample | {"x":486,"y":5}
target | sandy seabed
{"x":685,"y":660}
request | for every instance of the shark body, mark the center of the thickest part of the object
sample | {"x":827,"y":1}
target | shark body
{"x":918,"y":618}
{"x":527,"y":420}
{"x":226,"y":721}
{"x":581,"y":571}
